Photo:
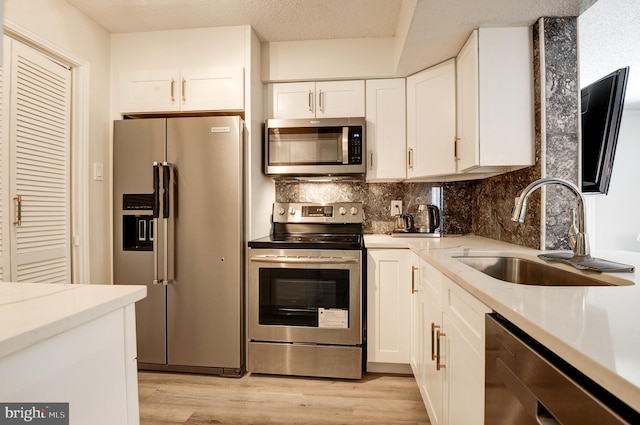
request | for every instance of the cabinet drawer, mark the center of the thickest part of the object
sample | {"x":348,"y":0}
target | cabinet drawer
{"x":467,"y":312}
{"x":431,"y":282}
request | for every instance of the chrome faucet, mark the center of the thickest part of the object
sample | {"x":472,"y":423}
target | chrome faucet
{"x":578,"y":238}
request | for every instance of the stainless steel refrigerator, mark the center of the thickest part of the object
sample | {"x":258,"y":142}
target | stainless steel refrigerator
{"x":178,"y":228}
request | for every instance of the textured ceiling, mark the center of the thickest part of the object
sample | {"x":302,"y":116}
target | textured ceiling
{"x":272,"y":20}
{"x":609,"y":38}
{"x":437,"y":30}
{"x":609,"y":31}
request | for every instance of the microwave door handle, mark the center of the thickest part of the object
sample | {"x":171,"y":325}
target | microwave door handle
{"x":345,"y":145}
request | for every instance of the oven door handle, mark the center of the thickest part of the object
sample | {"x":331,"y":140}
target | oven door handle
{"x":303,"y":260}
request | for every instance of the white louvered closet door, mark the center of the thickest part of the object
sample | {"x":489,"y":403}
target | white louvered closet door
{"x":39,"y":181}
{"x":4,"y":169}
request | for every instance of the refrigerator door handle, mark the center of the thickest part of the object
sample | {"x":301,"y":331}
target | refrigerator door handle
{"x":166,"y":188}
{"x":156,"y":214}
{"x":156,"y":189}
{"x":167,"y":170}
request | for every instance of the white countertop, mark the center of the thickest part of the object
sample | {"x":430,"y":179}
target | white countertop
{"x":596,"y":329}
{"x":32,"y":312}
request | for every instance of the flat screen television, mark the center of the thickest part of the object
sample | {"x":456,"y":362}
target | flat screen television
{"x":602,"y":103}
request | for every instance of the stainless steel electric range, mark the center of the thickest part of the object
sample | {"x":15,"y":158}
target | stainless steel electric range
{"x":305,"y":292}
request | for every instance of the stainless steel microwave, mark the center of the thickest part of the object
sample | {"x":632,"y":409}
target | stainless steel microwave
{"x":315,"y":147}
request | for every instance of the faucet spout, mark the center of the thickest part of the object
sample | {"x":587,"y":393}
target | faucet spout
{"x":581,"y":245}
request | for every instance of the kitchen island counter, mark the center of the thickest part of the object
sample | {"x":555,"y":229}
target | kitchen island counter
{"x":73,"y":344}
{"x":595,"y":329}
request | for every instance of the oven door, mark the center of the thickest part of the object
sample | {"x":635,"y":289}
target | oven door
{"x":305,"y":296}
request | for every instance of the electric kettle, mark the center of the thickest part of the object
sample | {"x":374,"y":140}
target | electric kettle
{"x":428,"y":218}
{"x":404,"y":223}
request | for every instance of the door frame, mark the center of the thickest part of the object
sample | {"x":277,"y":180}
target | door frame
{"x":79,"y":151}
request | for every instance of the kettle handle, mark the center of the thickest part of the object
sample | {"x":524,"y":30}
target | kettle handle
{"x":434,"y":213}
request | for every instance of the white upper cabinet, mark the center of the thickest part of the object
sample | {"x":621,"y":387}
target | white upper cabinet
{"x":322,"y":99}
{"x":431,"y":121}
{"x":495,"y":118}
{"x":220,"y":89}
{"x":386,"y":130}
{"x":202,"y":89}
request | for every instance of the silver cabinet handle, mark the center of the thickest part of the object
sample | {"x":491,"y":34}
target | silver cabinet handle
{"x":300,"y":260}
{"x":321,"y":100}
{"x":410,"y":158}
{"x":184,"y":90}
{"x":310,"y":101}
{"x":371,"y":159}
{"x":173,"y":90}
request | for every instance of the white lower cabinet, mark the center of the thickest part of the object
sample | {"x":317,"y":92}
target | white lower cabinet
{"x":447,"y":349}
{"x":389,"y":279}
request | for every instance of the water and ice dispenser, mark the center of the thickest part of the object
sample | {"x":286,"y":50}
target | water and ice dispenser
{"x":137,"y":229}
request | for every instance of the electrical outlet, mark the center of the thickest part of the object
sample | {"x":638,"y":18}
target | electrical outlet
{"x":396,"y":208}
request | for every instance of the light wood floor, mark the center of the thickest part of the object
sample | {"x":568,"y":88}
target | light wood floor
{"x":187,"y":399}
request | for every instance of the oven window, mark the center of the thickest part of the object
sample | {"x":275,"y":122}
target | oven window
{"x":295,"y":297}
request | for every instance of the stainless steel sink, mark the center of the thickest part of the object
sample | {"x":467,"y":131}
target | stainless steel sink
{"x":527,"y":272}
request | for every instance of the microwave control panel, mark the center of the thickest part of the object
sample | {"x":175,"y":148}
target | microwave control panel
{"x":355,"y":145}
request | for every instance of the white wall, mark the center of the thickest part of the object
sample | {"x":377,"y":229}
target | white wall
{"x":329,"y":59}
{"x":616,"y":215}
{"x":65,"y":29}
{"x":608,"y":39}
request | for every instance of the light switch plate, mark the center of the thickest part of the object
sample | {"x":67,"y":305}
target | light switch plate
{"x":98,"y":171}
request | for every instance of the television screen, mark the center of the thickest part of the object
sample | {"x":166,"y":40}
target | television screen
{"x":602,"y":103}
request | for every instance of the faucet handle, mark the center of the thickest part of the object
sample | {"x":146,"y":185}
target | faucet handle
{"x":573,"y":231}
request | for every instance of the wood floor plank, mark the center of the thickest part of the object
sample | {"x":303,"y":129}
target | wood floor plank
{"x":189,"y":399}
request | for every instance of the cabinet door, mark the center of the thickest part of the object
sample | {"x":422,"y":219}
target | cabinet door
{"x":464,"y":325}
{"x":431,"y":121}
{"x":212,"y":89}
{"x":467,"y":80}
{"x":292,"y":100}
{"x":386,"y":130}
{"x":150,"y":91}
{"x":495,"y":101}
{"x":432,"y":382}
{"x":337,"y":99}
{"x":388,"y":306}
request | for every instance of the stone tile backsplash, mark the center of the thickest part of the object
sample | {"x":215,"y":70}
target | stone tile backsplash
{"x":454,"y":200}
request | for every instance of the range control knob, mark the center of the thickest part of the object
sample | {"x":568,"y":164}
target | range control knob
{"x":342,"y":211}
{"x":292,"y":211}
{"x":281,"y":210}
{"x":353,"y":211}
